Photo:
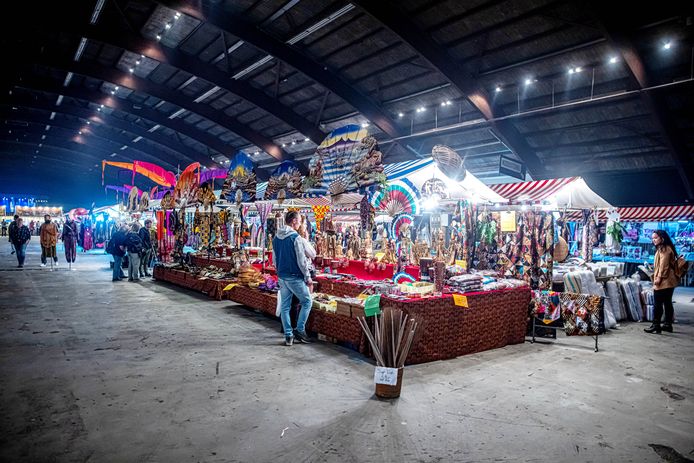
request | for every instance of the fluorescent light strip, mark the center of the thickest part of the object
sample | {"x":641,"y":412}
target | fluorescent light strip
{"x":59,"y":100}
{"x":48,"y":127}
{"x":154,"y":128}
{"x":136,"y":139}
{"x":177,"y":113}
{"x":43,"y":137}
{"x":184,"y":84}
{"x":52,"y":116}
{"x":113,"y":155}
{"x":319,"y":25}
{"x":252,"y":67}
{"x":207,"y":94}
{"x":67,"y":80}
{"x":231,"y":49}
{"x":124,"y":147}
{"x":80,"y":49}
{"x":159,"y":104}
{"x":97,"y":11}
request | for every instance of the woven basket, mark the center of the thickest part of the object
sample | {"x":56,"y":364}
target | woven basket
{"x":561,"y":250}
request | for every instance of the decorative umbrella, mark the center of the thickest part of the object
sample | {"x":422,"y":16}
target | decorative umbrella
{"x":398,"y":222}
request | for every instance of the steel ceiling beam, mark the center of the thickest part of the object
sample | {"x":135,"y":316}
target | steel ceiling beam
{"x":248,"y":32}
{"x":100,"y":118}
{"x":138,"y":110}
{"x":142,"y":85}
{"x":436,"y":55}
{"x":152,"y":49}
{"x":616,"y":28}
{"x":90,"y":131}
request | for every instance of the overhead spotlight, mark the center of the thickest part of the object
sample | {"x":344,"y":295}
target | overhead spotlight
{"x":443,"y":103}
{"x":284,"y":145}
{"x":101,"y":106}
{"x":167,"y":26}
{"x":98,"y":109}
{"x":80,"y":132}
{"x":529,"y":81}
{"x":293,"y":142}
{"x":88,"y":123}
{"x":117,"y":87}
{"x":177,"y":15}
{"x":131,"y":70}
{"x":308,"y":139}
{"x":112,"y":92}
{"x":158,"y":36}
{"x":497,"y":89}
{"x":364,"y":125}
{"x":137,"y":62}
{"x":667,"y":45}
{"x":421,"y":109}
{"x":578,"y":69}
{"x":400,"y":114}
{"x":571,"y":71}
{"x":257,"y":153}
{"x":613,"y":60}
{"x":446,"y":103}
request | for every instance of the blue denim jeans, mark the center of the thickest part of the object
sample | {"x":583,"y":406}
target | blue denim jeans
{"x":297,"y":287}
{"x":21,"y":253}
{"x":117,"y":267}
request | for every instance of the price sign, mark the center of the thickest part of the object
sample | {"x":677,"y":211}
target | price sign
{"x":508,"y":221}
{"x":460,"y":300}
{"x":384,"y":375}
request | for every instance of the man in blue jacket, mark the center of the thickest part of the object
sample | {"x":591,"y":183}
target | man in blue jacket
{"x":294,"y":277}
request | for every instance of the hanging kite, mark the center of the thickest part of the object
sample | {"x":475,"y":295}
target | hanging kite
{"x":153,"y":172}
{"x":346,"y":160}
{"x":400,"y":196}
{"x":240,"y":184}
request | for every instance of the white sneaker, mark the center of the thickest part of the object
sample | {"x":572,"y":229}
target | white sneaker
{"x":43,"y":265}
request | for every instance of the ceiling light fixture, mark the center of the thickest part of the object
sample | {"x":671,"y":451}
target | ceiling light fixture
{"x":613,"y":60}
{"x":284,"y":145}
{"x":400,"y":114}
{"x":293,"y":142}
{"x":667,"y":45}
{"x":497,"y":89}
{"x":131,"y":70}
{"x":364,"y":125}
{"x":158,"y":36}
{"x":167,"y":26}
{"x":308,"y":139}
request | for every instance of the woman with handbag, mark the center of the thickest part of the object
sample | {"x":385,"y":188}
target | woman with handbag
{"x":664,"y":282}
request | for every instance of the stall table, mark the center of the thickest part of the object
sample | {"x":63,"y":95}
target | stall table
{"x":211,"y":287}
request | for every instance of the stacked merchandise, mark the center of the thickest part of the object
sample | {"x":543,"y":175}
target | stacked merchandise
{"x":648,"y":303}
{"x":615,"y":298}
{"x":631,"y":291}
{"x":507,"y":283}
{"x":466,"y":283}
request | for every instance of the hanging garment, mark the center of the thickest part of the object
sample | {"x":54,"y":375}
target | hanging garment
{"x":88,"y":241}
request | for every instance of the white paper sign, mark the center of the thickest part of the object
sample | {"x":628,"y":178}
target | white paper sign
{"x":384,"y":375}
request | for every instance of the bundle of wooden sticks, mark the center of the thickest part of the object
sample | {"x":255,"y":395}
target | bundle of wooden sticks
{"x":392,"y":337}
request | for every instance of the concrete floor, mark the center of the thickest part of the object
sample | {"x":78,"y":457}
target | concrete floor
{"x":125,"y":372}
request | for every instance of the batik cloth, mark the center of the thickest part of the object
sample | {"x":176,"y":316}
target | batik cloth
{"x":582,"y":314}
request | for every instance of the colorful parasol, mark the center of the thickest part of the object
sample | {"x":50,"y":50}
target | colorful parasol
{"x":400,"y":196}
{"x":346,"y":160}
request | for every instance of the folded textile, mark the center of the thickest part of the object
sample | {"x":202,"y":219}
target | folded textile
{"x":615,"y":296}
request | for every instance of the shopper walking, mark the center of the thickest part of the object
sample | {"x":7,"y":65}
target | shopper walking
{"x":294,"y":277}
{"x":116,"y":247}
{"x":664,"y":281}
{"x":49,"y":239}
{"x":12,"y":226}
{"x":133,"y":244}
{"x":4,"y":228}
{"x":20,"y":237}
{"x":146,"y":249}
{"x":69,"y":238}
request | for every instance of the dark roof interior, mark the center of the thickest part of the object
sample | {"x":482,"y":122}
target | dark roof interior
{"x":568,"y":88}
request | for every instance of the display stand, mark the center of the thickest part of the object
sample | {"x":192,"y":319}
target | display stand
{"x":555,"y":328}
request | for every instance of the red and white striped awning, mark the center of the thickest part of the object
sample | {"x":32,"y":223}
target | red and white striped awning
{"x":645,"y":214}
{"x":532,"y":192}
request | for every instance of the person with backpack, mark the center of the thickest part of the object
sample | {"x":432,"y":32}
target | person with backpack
{"x":19,"y":237}
{"x":116,"y":247}
{"x":146,"y":249}
{"x":133,"y":243}
{"x":665,"y":280}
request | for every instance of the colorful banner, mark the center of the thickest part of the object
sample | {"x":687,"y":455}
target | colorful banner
{"x":284,"y":182}
{"x":241,"y":181}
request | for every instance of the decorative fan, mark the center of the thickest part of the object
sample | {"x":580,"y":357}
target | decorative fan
{"x":167,"y":202}
{"x":205,"y":196}
{"x":434,"y":187}
{"x":449,"y":162}
{"x":132,"y":199}
{"x":186,"y":187}
{"x":144,"y":201}
{"x":240,"y":178}
{"x":398,"y":222}
{"x":345,"y":161}
{"x":403,"y":277}
{"x":400,"y":196}
{"x":286,"y":179}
